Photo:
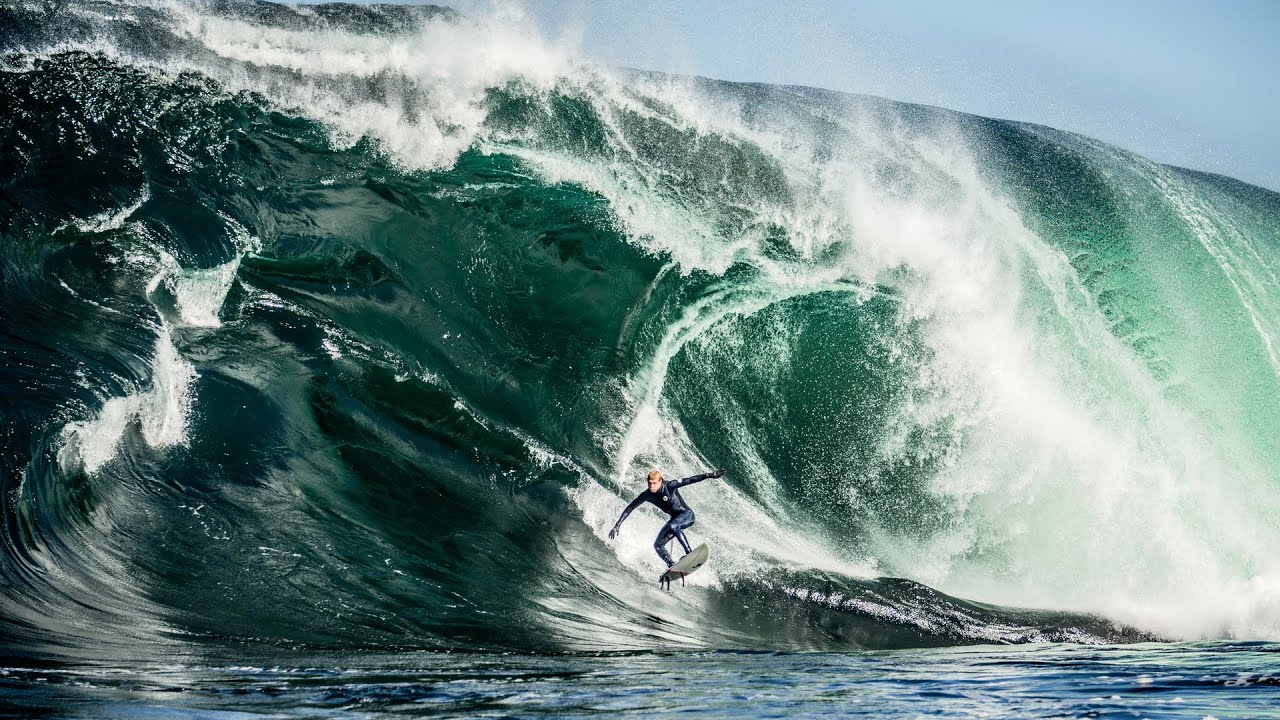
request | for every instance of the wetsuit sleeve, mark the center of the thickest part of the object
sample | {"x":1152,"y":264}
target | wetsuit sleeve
{"x":691,"y":480}
{"x":631,"y":506}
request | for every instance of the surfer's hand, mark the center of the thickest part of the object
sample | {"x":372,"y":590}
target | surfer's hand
{"x":717,"y":474}
{"x":613,"y":533}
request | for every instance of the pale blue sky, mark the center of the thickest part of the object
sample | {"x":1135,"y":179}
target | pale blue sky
{"x":1183,"y":82}
{"x":1188,"y":82}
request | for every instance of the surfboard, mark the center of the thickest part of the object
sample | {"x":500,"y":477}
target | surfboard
{"x":687,"y":564}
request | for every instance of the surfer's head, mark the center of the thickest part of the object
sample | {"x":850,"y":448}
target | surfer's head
{"x":655,"y":480}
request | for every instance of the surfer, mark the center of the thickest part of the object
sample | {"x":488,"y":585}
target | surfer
{"x":665,"y":494}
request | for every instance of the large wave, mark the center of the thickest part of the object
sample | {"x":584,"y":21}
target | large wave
{"x":357,"y":326}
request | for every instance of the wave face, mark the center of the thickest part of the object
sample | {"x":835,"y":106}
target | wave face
{"x":356,"y":327}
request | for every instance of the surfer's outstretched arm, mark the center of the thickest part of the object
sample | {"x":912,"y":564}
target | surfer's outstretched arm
{"x":631,"y":506}
{"x":696,"y":478}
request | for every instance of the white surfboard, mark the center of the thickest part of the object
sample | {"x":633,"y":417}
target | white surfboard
{"x":687,"y":564}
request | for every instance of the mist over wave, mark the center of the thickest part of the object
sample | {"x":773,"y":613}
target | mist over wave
{"x":356,"y":326}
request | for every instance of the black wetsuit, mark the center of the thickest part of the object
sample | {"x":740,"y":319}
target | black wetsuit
{"x":668,"y":499}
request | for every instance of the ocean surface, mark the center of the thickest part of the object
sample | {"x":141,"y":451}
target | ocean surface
{"x":333,"y":339}
{"x":1062,"y":681}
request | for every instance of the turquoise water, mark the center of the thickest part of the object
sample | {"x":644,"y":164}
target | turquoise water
{"x":345,"y":333}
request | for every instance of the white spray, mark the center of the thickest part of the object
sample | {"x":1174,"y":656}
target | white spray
{"x":1072,"y":482}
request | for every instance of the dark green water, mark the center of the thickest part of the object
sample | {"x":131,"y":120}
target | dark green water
{"x":349,"y":331}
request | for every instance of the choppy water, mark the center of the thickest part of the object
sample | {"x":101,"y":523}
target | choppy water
{"x":350,"y":330}
{"x":1152,"y":681}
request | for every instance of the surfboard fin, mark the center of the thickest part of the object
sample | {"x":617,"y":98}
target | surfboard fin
{"x":664,"y":582}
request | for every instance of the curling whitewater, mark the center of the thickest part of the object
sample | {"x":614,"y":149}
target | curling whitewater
{"x":353,"y":328}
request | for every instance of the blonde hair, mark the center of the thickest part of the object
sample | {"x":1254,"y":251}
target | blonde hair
{"x":654,"y":474}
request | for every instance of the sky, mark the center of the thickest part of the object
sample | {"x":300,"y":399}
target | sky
{"x":1189,"y":83}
